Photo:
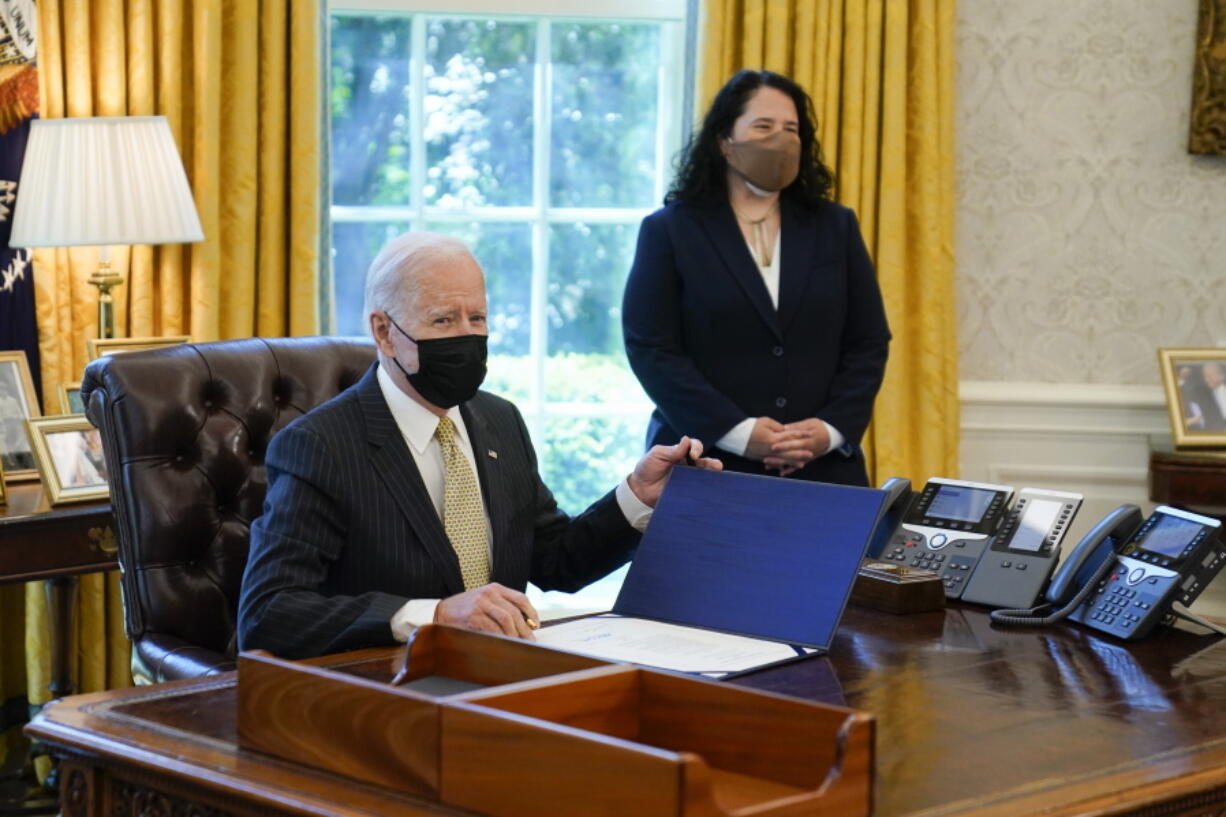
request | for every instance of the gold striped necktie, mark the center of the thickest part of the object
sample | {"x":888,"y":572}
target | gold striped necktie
{"x":463,"y":518}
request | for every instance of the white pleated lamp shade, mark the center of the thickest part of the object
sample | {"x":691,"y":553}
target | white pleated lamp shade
{"x":101,"y":181}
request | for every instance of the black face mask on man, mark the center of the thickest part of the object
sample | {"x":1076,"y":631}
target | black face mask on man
{"x":449,"y":370}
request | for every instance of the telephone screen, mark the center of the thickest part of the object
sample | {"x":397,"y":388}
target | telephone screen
{"x":1036,"y":523}
{"x":1170,"y":536}
{"x":960,"y":503}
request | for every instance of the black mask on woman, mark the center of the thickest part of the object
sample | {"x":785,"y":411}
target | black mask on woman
{"x":449,"y":370}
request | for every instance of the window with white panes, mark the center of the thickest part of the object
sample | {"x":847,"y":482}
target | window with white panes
{"x":540,"y":135}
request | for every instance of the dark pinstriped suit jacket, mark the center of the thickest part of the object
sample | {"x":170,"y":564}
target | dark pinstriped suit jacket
{"x":349,"y":532}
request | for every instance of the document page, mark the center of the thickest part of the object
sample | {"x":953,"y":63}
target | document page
{"x":665,"y":646}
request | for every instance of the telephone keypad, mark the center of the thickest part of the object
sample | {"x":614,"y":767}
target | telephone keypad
{"x":1122,"y":608}
{"x":952,"y":556}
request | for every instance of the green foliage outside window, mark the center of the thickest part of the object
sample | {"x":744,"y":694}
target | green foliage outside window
{"x":478,"y":129}
{"x":583,"y":455}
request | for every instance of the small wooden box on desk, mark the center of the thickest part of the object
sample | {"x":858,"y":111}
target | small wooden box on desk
{"x":897,"y":589}
{"x":547,"y":731}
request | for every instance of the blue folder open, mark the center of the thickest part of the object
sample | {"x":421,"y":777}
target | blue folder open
{"x":758,"y":556}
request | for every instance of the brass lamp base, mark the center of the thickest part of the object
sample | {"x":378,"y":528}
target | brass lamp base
{"x":105,"y":279}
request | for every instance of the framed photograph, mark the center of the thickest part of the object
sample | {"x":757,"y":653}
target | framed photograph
{"x":1195,"y":385}
{"x":70,"y":398}
{"x":68,"y":452}
{"x":1209,"y":81}
{"x":97,"y":347}
{"x":18,"y":403}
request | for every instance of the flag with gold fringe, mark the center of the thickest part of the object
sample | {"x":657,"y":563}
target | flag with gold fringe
{"x":18,"y":105}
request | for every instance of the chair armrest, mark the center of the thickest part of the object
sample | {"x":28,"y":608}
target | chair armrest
{"x":158,"y":657}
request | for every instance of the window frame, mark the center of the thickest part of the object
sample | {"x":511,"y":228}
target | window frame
{"x":675,"y":17}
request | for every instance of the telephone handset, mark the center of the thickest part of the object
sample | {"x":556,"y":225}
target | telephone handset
{"x":1016,"y":565}
{"x":1081,"y":571}
{"x":897,"y":500}
{"x":1128,"y":575}
{"x":1095,"y":548}
{"x":946,"y":528}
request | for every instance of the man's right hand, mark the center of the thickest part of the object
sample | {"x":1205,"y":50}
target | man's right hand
{"x":490,"y":608}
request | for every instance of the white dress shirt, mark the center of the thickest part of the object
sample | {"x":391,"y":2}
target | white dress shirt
{"x":737,"y":439}
{"x":417,"y":425}
{"x":1219,"y":397}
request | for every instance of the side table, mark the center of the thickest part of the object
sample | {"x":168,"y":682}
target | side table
{"x":55,"y":544}
{"x":1192,"y":480}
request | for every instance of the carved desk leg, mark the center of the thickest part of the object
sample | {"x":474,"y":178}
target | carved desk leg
{"x":79,"y":795}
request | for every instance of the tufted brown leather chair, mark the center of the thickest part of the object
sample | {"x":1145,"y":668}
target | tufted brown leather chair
{"x":184,"y":431}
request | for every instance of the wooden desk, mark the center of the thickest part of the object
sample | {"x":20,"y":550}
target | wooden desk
{"x":56,"y":544}
{"x":971,"y":721}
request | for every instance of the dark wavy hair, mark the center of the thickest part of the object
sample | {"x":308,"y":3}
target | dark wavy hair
{"x":702,"y":169}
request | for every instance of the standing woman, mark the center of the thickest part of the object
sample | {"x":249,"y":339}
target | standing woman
{"x":752,"y":315}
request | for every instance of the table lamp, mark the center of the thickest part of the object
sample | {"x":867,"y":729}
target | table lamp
{"x":101,"y":181}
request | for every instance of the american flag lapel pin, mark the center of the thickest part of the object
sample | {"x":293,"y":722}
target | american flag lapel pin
{"x":491,"y":453}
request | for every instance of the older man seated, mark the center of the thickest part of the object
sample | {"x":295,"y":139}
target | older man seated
{"x":412,"y":497}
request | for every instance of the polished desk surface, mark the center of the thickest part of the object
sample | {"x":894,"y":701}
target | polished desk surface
{"x":971,"y":720}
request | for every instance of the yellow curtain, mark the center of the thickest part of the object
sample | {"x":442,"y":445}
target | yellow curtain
{"x":240,"y":82}
{"x":881,"y":76}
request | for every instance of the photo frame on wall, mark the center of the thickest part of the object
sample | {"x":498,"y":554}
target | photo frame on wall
{"x":18,"y":403}
{"x":70,"y":398}
{"x":1207,"y":123}
{"x":1194,"y":380}
{"x":68,"y":452}
{"x":97,"y":347}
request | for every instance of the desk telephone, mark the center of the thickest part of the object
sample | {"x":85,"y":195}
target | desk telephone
{"x":1015,"y":567}
{"x":984,"y":550}
{"x":946,"y":527}
{"x":1128,"y":573}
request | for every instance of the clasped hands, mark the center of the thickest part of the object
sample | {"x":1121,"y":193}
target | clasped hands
{"x":494,"y":608}
{"x":790,"y":447}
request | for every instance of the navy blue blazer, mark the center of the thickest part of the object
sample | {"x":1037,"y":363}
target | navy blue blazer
{"x":349,"y":533}
{"x":711,"y":350}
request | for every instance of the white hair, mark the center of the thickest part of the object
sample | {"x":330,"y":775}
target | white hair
{"x":394,"y":278}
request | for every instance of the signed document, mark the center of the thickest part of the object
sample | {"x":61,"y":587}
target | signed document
{"x":665,"y":646}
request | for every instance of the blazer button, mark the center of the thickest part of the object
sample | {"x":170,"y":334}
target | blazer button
{"x":777,"y":351}
{"x":781,"y":402}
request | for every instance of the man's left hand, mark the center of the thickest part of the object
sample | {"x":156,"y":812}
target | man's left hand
{"x":653,"y":469}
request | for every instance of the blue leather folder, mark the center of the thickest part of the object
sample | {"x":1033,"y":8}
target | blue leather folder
{"x":764,"y":557}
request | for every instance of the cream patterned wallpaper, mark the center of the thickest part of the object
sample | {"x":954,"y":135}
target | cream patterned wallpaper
{"x":1086,"y":232}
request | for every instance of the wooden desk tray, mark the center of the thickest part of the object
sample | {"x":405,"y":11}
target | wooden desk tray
{"x":552,"y":733}
{"x":623,"y":740}
{"x":339,"y":713}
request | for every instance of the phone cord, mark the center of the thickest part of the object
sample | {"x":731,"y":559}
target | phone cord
{"x":1031,"y":617}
